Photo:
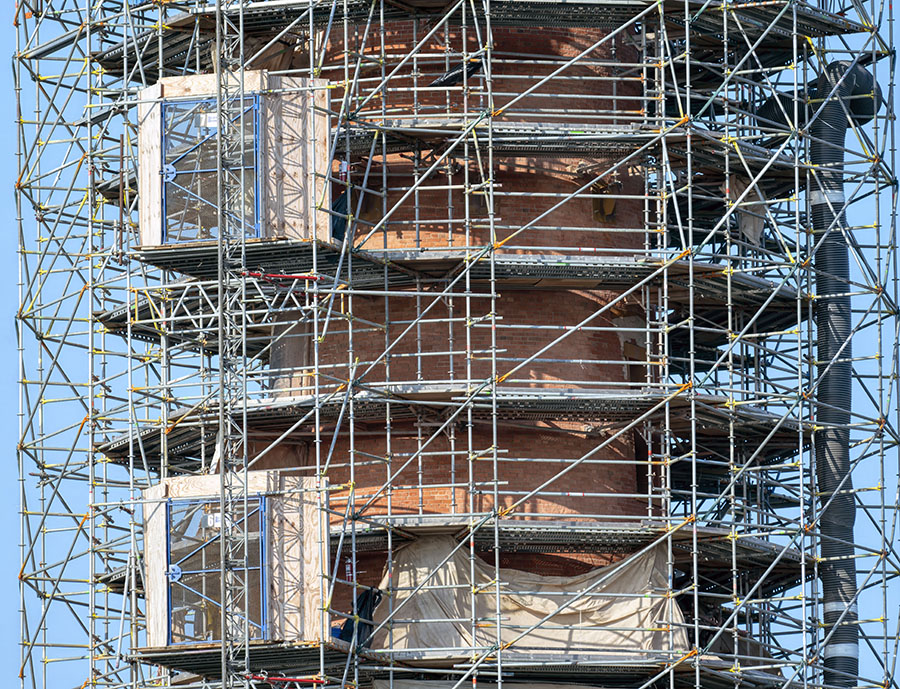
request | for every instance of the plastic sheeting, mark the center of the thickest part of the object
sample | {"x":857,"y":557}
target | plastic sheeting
{"x":625,"y":613}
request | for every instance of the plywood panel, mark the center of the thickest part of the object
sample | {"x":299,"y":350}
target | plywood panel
{"x":286,"y":564}
{"x":315,"y":549}
{"x":193,"y":486}
{"x":207,"y":486}
{"x":295,"y":145}
{"x":149,"y":165}
{"x":321,"y":128}
{"x":155,"y":586}
{"x":284,"y":595}
{"x":204,"y":85}
{"x":296,"y":563}
{"x":276,"y":184}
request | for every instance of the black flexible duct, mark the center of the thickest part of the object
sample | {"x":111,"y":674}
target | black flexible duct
{"x":854,"y":93}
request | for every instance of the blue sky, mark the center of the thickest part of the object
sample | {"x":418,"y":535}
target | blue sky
{"x":9,"y":596}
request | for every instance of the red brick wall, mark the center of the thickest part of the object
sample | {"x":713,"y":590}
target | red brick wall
{"x":601,"y":87}
{"x":529,"y":452}
{"x":527,"y":458}
{"x":526,"y":322}
{"x":526,"y":190}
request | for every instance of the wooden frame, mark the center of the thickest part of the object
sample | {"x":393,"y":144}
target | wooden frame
{"x":294,"y":565}
{"x":294,"y":162}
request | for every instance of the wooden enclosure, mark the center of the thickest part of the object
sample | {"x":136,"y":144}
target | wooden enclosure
{"x":289,"y":138}
{"x":290,"y":532}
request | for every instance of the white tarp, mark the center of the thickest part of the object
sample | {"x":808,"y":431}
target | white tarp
{"x":625,"y":614}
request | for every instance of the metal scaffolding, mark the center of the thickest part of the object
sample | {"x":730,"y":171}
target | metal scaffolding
{"x":567,"y":300}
